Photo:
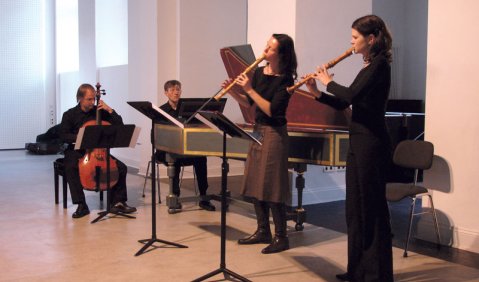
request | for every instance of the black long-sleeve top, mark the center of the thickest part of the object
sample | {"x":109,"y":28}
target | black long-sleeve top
{"x":368,"y":95}
{"x":169,"y":109}
{"x":74,"y":118}
{"x":273,"y":89}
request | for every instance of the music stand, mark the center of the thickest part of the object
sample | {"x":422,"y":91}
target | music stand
{"x":189,"y":107}
{"x":106,"y":137}
{"x":218,"y":121}
{"x":147,"y":109}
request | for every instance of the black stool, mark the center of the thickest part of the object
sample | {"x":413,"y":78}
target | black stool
{"x":59,"y":170}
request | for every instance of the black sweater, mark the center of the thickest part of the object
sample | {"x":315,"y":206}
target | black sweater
{"x":368,"y":95}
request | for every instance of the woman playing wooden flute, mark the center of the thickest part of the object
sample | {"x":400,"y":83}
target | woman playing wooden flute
{"x":266,"y":169}
{"x":367,"y":215}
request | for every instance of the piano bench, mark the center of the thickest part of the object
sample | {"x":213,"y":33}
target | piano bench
{"x":59,"y":170}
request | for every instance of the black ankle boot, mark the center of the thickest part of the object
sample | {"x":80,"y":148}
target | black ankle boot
{"x":280,"y":241}
{"x":263,"y":232}
{"x":261,"y":236}
{"x":279,"y":244}
{"x":343,"y":276}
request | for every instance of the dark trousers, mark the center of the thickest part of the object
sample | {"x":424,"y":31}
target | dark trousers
{"x":367,"y":214}
{"x":118,"y":192}
{"x":201,"y":171}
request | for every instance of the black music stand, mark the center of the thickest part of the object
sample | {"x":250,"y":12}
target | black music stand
{"x":147,"y":109}
{"x":221,"y":123}
{"x":106,"y":137}
{"x":189,"y":107}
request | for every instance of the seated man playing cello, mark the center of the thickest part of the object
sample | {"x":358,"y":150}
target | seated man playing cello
{"x":73,"y":119}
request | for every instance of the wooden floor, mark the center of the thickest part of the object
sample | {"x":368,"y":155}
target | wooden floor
{"x":41,"y":242}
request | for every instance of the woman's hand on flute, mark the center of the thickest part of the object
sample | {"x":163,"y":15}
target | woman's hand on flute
{"x":323,"y":75}
{"x":226,"y":84}
{"x":235,"y":92}
{"x":244,"y":81}
{"x":311,"y":85}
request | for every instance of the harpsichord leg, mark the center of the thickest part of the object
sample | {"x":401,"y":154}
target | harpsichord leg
{"x":299,"y":214}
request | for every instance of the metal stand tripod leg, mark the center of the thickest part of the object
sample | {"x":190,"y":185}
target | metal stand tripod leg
{"x":223,"y":269}
{"x":153,"y":239}
{"x":108,"y":194}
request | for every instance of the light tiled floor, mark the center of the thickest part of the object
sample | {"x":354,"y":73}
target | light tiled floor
{"x":41,"y":242}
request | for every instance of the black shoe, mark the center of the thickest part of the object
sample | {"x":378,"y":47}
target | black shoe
{"x":259,"y":237}
{"x":123,"y":208}
{"x":81,"y":211}
{"x":178,"y":206}
{"x":279,"y":244}
{"x":343,"y":276}
{"x":206,"y":205}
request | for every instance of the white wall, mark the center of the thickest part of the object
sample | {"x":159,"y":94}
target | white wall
{"x":141,"y":82}
{"x":452,"y":119}
{"x":167,"y":46}
{"x":86,"y":33}
{"x":204,"y":28}
{"x":266,"y":17}
{"x":322,"y":35}
{"x":407,"y":21}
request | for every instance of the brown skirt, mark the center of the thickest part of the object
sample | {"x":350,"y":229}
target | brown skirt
{"x":266,"y":168}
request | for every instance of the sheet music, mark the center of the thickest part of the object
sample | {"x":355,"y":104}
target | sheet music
{"x":134,"y":138}
{"x":228,"y":123}
{"x":211,"y":125}
{"x":166,"y":115}
{"x":81,"y":131}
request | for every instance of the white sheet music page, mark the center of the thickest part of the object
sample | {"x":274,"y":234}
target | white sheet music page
{"x":168,"y":116}
{"x":79,"y":139}
{"x":134,"y":138}
{"x":211,"y":125}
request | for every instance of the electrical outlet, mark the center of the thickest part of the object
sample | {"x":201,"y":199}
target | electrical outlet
{"x":51,"y":115}
{"x":334,"y":168}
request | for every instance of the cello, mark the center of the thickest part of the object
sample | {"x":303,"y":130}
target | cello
{"x":92,"y":166}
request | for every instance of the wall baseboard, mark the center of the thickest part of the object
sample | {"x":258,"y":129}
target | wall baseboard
{"x":452,"y":236}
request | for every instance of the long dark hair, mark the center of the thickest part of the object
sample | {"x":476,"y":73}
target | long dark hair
{"x":287,"y":55}
{"x":372,"y":24}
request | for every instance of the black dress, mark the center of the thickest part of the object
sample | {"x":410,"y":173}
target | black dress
{"x":369,"y":156}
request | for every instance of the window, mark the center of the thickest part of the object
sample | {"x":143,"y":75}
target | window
{"x":67,"y":36}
